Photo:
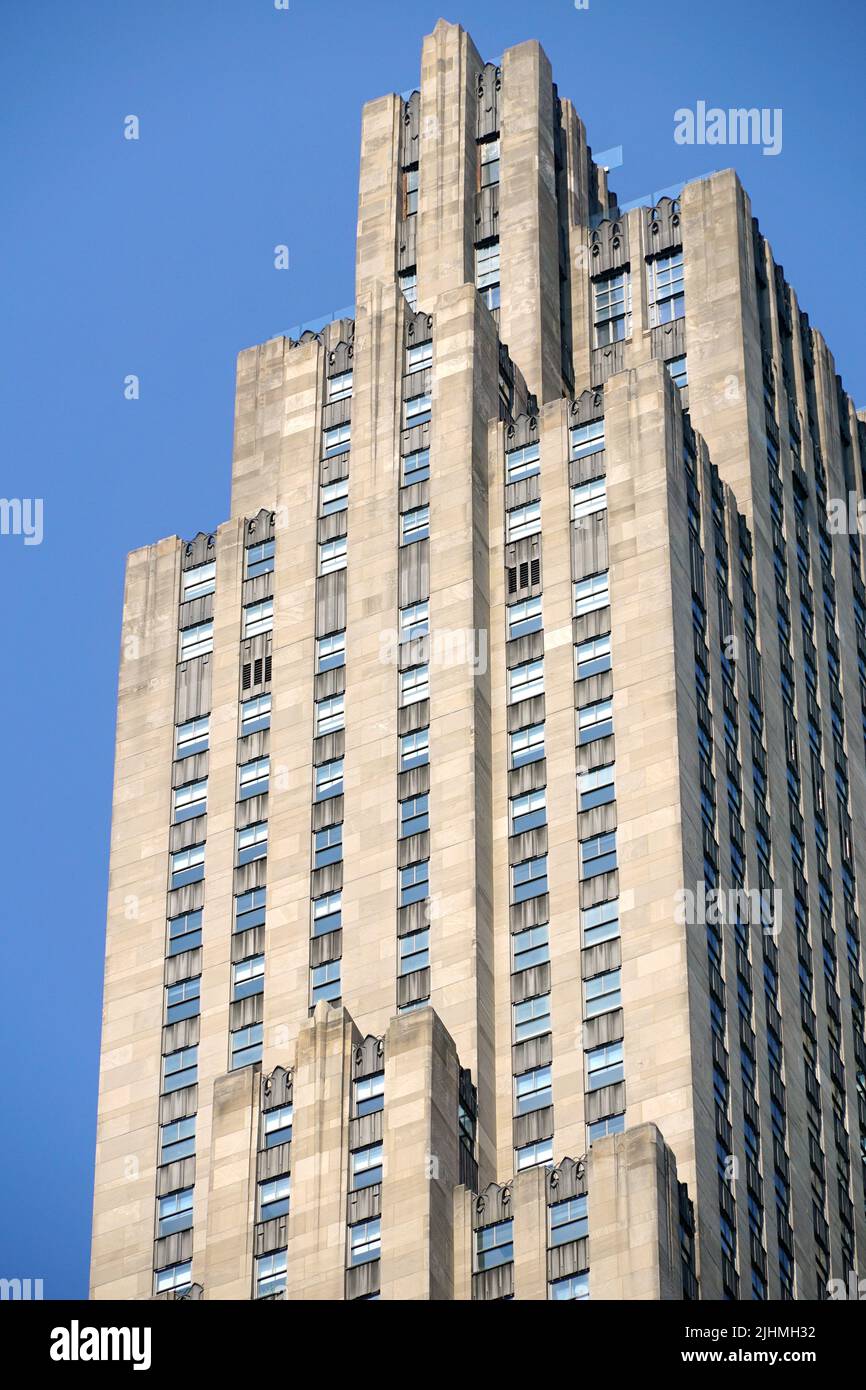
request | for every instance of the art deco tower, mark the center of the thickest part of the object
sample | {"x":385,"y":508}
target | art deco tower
{"x":484,"y":903}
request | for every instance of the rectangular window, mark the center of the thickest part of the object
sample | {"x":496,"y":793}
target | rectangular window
{"x":600,"y":923}
{"x":419,"y":356}
{"x":177,"y":1140}
{"x":410,"y":191}
{"x":523,"y":521}
{"x":414,"y":685}
{"x":528,"y":811}
{"x":416,"y":466}
{"x":192,"y":737}
{"x":487,"y":272}
{"x":182,"y":1000}
{"x":570,"y":1288}
{"x":175,"y":1278}
{"x":408,"y":281}
{"x":612,"y":308}
{"x":179,"y":1069}
{"x":327,"y":846}
{"x":336,"y":440}
{"x":325,"y":982}
{"x":414,"y":883}
{"x":333,"y":554}
{"x":587,"y":439}
{"x":331,"y":651}
{"x":594,"y":721}
{"x":258,"y":618}
{"x":531,"y":1155}
{"x":274,"y":1197}
{"x":666,"y":288}
{"x":525,"y":681}
{"x":339,"y":386}
{"x":523,"y":618}
{"x":253,"y":778}
{"x":187,"y":866}
{"x":252,"y":843}
{"x":190,"y":801}
{"x":184,"y":932}
{"x":246,"y":1046}
{"x":196,"y":641}
{"x":527,"y":745}
{"x":588,"y":498}
{"x":602,"y":993}
{"x":488,"y":152}
{"x":417,"y":410}
{"x":591,"y":594}
{"x":604,"y":1066}
{"x":414,"y":749}
{"x":568,"y":1221}
{"x":198,"y":582}
{"x":366,"y":1167}
{"x":531,"y":1018}
{"x":250,"y":909}
{"x":271,"y":1274}
{"x":494,"y":1245}
{"x":334,"y":497}
{"x":248,"y":977}
{"x":259,"y":559}
{"x":330,"y":714}
{"x":530,"y":947}
{"x":414,"y":621}
{"x":369,"y":1094}
{"x":174,"y":1213}
{"x":365,"y":1241}
{"x":414,"y":525}
{"x":414,"y":952}
{"x":277,"y":1126}
{"x":329,"y":780}
{"x":679,"y":370}
{"x":529,"y":879}
{"x":598,"y":855}
{"x":522,"y":463}
{"x":533,"y":1090}
{"x":327,"y":913}
{"x":255,"y":715}
{"x":596,"y":788}
{"x":414,"y":815}
{"x":610,"y":1124}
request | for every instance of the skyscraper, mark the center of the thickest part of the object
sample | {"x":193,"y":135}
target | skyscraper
{"x":484,"y":901}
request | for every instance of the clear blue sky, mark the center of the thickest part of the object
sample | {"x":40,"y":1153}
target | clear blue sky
{"x":156,"y":258}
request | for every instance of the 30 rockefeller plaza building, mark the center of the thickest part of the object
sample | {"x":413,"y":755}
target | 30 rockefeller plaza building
{"x":486,"y":883}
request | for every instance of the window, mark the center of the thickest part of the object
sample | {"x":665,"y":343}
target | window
{"x":326,"y":981}
{"x":604,"y":1066}
{"x":187,"y":866}
{"x":417,"y":410}
{"x":182,"y":1000}
{"x":523,"y":521}
{"x":327,"y":913}
{"x":529,"y":879}
{"x":365,"y":1241}
{"x":414,"y":951}
{"x":494,"y":1245}
{"x":277,"y":1126}
{"x":530,"y":1155}
{"x":523,"y":618}
{"x":414,"y":525}
{"x":184,"y":932}
{"x":419,"y":356}
{"x":329,"y":780}
{"x":531,"y":947}
{"x":366,"y":1167}
{"x":336,"y":440}
{"x":612,"y":308}
{"x":330,"y":714}
{"x":196,"y":641}
{"x":332,"y":554}
{"x":369,"y":1094}
{"x":252,"y":843}
{"x":190,"y":801}
{"x":571,"y":1287}
{"x":587,"y":439}
{"x":666,"y":290}
{"x":331,"y":651}
{"x":489,"y":162}
{"x":253,"y":778}
{"x":250,"y":909}
{"x":174,"y":1213}
{"x":596,"y":788}
{"x":594,"y":721}
{"x":410,"y":191}
{"x":334,"y":497}
{"x":416,"y":466}
{"x":327,"y":846}
{"x":198,"y":582}
{"x":414,"y":749}
{"x":271,"y":1274}
{"x":679,"y":370}
{"x":525,"y":681}
{"x":522,"y":463}
{"x":527,"y":745}
{"x":408,"y":281}
{"x":487,"y":272}
{"x":177,"y":1140}
{"x":414,"y":815}
{"x":258,"y":617}
{"x":528,"y":811}
{"x":414,"y":621}
{"x":248,"y":977}
{"x":414,"y":883}
{"x":179,"y":1069}
{"x":255,"y":715}
{"x":598,"y":855}
{"x":175,"y":1278}
{"x":600,"y":923}
{"x":339,"y":386}
{"x":192,"y":737}
{"x":246,"y":1046}
{"x":531,"y":1018}
{"x":274,"y":1196}
{"x":602,"y":993}
{"x":591,"y":594}
{"x":568,"y":1221}
{"x":259,"y":559}
{"x":414,"y":685}
{"x":533,"y":1090}
{"x":588,"y":498}
{"x":610,"y":1124}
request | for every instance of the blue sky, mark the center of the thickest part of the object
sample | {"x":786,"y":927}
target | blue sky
{"x":155,"y":257}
